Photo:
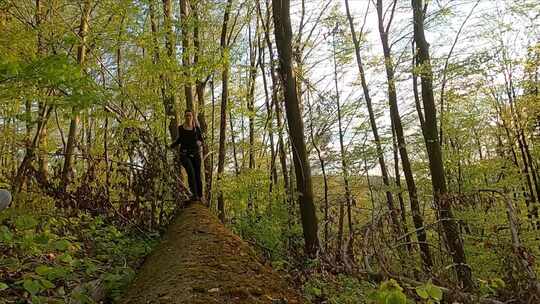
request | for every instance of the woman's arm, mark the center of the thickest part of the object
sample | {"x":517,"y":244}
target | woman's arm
{"x":177,"y":141}
{"x":199,"y":134}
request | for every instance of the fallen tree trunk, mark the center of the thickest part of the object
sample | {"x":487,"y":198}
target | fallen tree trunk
{"x":201,"y":261}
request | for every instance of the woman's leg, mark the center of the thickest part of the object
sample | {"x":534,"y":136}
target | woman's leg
{"x":187,"y":163}
{"x":197,"y":167}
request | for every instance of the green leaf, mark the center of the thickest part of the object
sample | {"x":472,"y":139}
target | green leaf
{"x":47,"y":284}
{"x":25,"y":222}
{"x":61,"y":245}
{"x":377,"y":296}
{"x":112,"y":277}
{"x":5,"y":234}
{"x":43,"y":270}
{"x":434,"y":292}
{"x":90,"y":267}
{"x":38,"y":300}
{"x":422,"y":292}
{"x":59,"y":273}
{"x":32,"y":286}
{"x":486,"y":289}
{"x":42,"y":239}
{"x":81,"y":297}
{"x":498,"y":283}
{"x":372,"y":296}
{"x":317,"y":291}
{"x":66,"y":258}
{"x":10,"y":263}
{"x":396,"y":297}
{"x":390,"y":285}
{"x":3,"y":286}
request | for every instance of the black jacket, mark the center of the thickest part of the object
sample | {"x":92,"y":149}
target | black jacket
{"x":187,"y":139}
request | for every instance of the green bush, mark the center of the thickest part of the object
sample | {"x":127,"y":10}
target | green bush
{"x":269,"y":223}
{"x":55,"y":258}
{"x":389,"y":292}
{"x":340,"y":289}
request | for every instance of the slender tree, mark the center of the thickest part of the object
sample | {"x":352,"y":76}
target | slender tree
{"x":251,"y":90}
{"x":283,"y":34}
{"x":186,"y":49}
{"x":275,"y":100}
{"x":170,"y":98}
{"x":269,"y":121}
{"x":323,"y":169}
{"x":436,"y":167}
{"x":233,"y":143}
{"x":43,"y":159}
{"x":81,"y":55}
{"x":372,"y":120}
{"x":398,"y":127}
{"x":200,"y":86}
{"x":344,"y":168}
{"x":223,"y":108}
{"x":401,"y":200}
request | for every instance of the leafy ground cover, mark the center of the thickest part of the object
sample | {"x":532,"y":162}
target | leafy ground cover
{"x":58,"y":257}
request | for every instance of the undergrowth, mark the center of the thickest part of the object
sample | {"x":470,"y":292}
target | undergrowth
{"x":339,"y":289}
{"x":55,"y":257}
{"x":271,"y":226}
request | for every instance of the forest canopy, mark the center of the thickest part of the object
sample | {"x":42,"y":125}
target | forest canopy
{"x":373,"y":150}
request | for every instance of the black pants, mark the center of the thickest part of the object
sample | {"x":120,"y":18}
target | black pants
{"x":192,"y":163}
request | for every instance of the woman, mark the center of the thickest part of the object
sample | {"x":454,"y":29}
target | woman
{"x":190,"y":139}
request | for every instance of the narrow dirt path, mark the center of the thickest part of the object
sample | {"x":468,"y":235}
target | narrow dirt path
{"x":201,"y":261}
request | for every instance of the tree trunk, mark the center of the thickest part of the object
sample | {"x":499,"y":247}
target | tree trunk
{"x":28,"y":122}
{"x":186,"y":58}
{"x":436,"y":167}
{"x":323,"y":169}
{"x":281,"y":142}
{"x":269,"y":120}
{"x":417,"y":101}
{"x":43,"y":159}
{"x":224,"y":98}
{"x":170,"y":100}
{"x":251,"y":92}
{"x":233,"y":142}
{"x":283,"y":34}
{"x":530,"y":178}
{"x":528,"y":165}
{"x":373,"y":122}
{"x":22,"y":171}
{"x":530,"y":198}
{"x":401,"y":201}
{"x":531,"y":165}
{"x":344,"y":168}
{"x":81,"y":54}
{"x":212,"y":139}
{"x":252,"y":75}
{"x":200,"y":86}
{"x":396,"y":121}
{"x":276,"y":102}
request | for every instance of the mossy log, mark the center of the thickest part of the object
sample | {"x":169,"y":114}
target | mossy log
{"x":201,"y":261}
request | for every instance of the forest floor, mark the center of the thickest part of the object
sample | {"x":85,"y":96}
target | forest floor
{"x":201,"y":261}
